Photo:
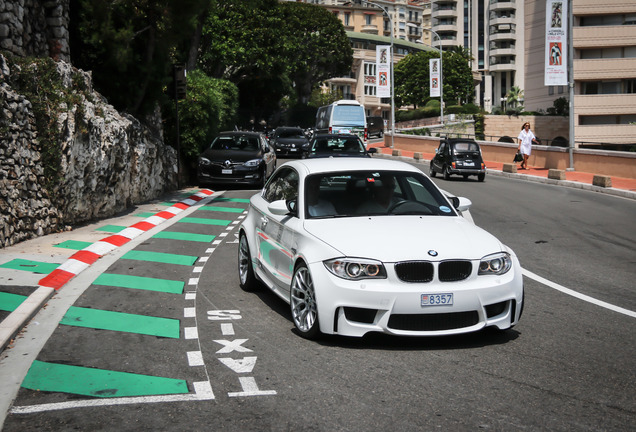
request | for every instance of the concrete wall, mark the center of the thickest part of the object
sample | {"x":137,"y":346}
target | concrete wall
{"x":545,"y":128}
{"x":610,"y":163}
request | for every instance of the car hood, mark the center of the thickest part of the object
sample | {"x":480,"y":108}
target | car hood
{"x":233,"y":155}
{"x":403,"y":238}
{"x":290,"y":140}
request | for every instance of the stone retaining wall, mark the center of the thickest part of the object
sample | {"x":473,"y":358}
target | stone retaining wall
{"x":108,"y":163}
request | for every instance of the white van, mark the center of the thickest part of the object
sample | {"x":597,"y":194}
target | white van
{"x":342,"y":117}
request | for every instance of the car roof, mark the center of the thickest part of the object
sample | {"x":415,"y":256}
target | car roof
{"x":335,"y":136}
{"x":289,"y":128}
{"x":325,"y":165}
{"x":240,"y":133}
{"x":456,"y":140}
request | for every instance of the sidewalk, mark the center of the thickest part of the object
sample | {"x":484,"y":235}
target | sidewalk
{"x":620,"y":186}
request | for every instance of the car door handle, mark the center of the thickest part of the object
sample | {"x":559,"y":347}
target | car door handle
{"x":263,"y":222}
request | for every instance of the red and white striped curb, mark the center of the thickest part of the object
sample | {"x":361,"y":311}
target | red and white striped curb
{"x":82,"y":259}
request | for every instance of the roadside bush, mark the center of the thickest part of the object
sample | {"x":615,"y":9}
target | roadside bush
{"x":210,"y":107}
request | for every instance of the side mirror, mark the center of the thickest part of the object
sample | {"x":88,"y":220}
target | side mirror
{"x":278,"y":207}
{"x":460,"y":203}
{"x":372,"y":150}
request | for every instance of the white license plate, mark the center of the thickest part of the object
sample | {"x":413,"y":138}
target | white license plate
{"x":344,"y":131}
{"x":445,"y":299}
{"x":226,"y":171}
{"x":469,"y":164}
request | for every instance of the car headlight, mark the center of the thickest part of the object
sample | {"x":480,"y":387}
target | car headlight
{"x":495,"y":264}
{"x":252,"y":163}
{"x":356,"y":268}
{"x":204,"y":161}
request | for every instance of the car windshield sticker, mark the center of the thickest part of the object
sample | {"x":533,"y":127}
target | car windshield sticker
{"x":445,"y":209}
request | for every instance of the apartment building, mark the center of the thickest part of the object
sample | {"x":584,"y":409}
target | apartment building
{"x":367,"y":26}
{"x":604,"y":62}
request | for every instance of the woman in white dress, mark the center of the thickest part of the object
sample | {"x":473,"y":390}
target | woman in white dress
{"x":526,"y":138}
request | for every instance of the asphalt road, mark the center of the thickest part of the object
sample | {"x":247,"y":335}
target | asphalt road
{"x":568,"y":365}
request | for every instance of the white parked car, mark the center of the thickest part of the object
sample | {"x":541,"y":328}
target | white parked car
{"x":372,"y":245}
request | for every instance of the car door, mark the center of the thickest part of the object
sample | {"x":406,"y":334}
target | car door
{"x":438,"y":159}
{"x":275,"y":234}
{"x":269,"y":156}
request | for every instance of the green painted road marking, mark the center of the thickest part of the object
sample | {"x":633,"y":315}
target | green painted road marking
{"x":160,"y":257}
{"x":145,"y":214}
{"x":111,"y":228}
{"x":239,"y":200}
{"x":9,"y":302}
{"x":73,"y":244}
{"x":30,"y":266}
{"x":54,"y":377}
{"x":172,"y":235}
{"x":138,"y":282}
{"x":120,"y":321}
{"x":222,"y":209}
{"x":204,"y":221}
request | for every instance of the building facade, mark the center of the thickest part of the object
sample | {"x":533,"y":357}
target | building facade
{"x":604,"y":62}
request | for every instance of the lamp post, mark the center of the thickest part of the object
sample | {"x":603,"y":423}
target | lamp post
{"x":441,"y":74}
{"x":384,"y":10}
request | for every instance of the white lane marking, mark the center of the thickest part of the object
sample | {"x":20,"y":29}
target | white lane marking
{"x":248,"y":384}
{"x":203,"y":391}
{"x":578,"y":295}
{"x":195,"y":358}
{"x":191,"y":333}
{"x":227,"y":329}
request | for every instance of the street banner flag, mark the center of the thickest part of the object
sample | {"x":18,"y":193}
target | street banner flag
{"x":383,"y":62}
{"x":556,"y":59}
{"x":434,"y":77}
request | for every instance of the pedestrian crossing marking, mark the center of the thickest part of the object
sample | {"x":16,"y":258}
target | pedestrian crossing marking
{"x":120,"y":321}
{"x":30,"y":266}
{"x":160,"y":257}
{"x":139,"y":282}
{"x":102,"y":383}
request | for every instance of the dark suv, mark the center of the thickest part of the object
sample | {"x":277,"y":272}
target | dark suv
{"x":375,"y":126}
{"x":458,"y":156}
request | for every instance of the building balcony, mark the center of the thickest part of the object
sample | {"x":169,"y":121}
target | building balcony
{"x":595,"y":7}
{"x":503,"y":66}
{"x":604,"y":36}
{"x":498,"y":52}
{"x":444,"y":13}
{"x":499,"y":5}
{"x":446,"y":28}
{"x":512,"y":35}
{"x":369,"y":29}
{"x":503,"y":20}
{"x":604,"y":69}
{"x":343,"y":80}
{"x":604,"y":104}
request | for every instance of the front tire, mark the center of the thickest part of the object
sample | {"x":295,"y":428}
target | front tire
{"x":303,"y":303}
{"x":247,"y":279}
{"x":431,"y":171}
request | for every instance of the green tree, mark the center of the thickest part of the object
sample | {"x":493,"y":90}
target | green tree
{"x":272,"y":51}
{"x":129,"y":46}
{"x":412,"y":77}
{"x":514,"y":96}
{"x":457,"y":76}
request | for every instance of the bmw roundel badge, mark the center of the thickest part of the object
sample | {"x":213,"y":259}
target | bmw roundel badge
{"x":432,"y":253}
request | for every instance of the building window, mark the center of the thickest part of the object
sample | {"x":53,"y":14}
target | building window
{"x":368,"y":19}
{"x":370,"y":90}
{"x":347,"y":17}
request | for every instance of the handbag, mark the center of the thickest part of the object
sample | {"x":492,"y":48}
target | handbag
{"x":518,"y":157}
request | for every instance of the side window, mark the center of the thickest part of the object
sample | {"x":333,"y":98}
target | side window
{"x":282,"y":187}
{"x":442,"y":147}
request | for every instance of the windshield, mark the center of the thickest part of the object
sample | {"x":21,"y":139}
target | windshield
{"x":348,"y":115}
{"x":240,"y":143}
{"x":348,"y":145}
{"x":462,"y":147}
{"x":368,"y":193}
{"x":290,"y":133}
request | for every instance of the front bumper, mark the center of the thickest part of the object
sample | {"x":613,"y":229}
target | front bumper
{"x":394,"y":307}
{"x":238,"y":176}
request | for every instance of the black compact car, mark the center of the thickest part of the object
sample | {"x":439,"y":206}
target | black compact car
{"x":337,"y":145}
{"x":289,"y":141}
{"x":237,"y":158}
{"x":375,"y":126}
{"x":458,"y":156}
